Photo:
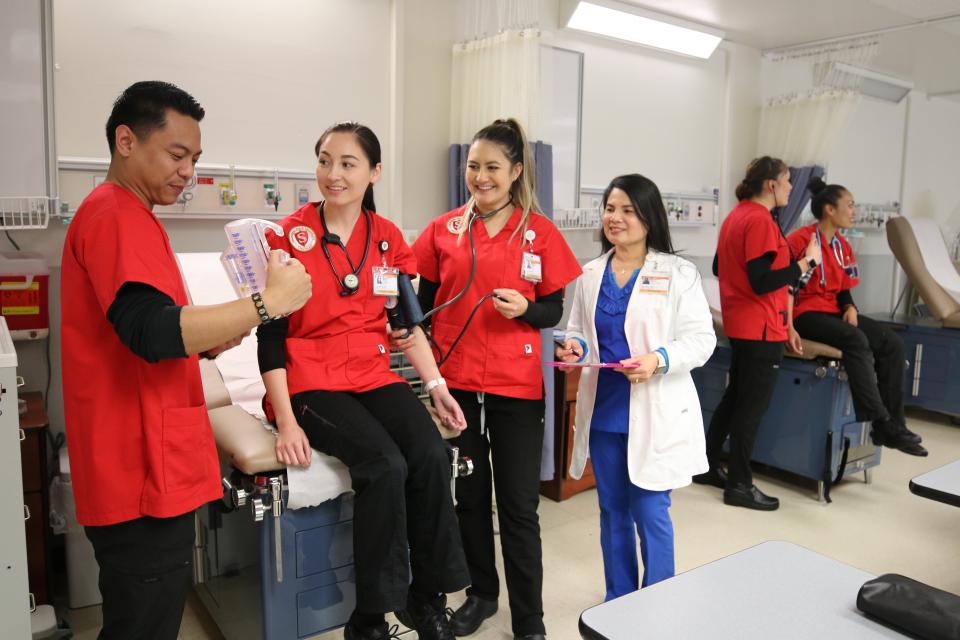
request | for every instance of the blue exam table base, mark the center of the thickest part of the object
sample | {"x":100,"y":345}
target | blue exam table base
{"x":810,"y":428}
{"x":236,"y":571}
{"x":933,"y":357}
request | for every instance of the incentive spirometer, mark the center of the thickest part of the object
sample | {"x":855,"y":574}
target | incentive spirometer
{"x":248,"y":253}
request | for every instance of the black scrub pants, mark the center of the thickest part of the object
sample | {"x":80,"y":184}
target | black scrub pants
{"x":754,"y":367}
{"x":400,"y":473}
{"x":872,"y":356}
{"x":145,"y":572}
{"x":512,"y":437}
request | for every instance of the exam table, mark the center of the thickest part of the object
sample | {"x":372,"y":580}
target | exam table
{"x":932,"y":343}
{"x":810,"y":429}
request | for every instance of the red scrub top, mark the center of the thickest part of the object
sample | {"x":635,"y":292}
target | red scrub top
{"x":497,"y":355}
{"x":340,"y":343}
{"x":749,"y":232}
{"x":838,"y":272}
{"x":139,"y":438}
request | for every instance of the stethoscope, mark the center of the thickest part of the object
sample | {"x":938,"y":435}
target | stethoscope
{"x":837,"y":248}
{"x":472,"y":216}
{"x":350,"y":283}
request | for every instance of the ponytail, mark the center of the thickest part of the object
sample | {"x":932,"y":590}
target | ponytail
{"x":759,"y":171}
{"x":509,"y":135}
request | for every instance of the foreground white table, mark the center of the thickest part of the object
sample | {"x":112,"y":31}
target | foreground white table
{"x":942,"y":485}
{"x":773,"y":590}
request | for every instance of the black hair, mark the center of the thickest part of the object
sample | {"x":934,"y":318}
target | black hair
{"x":648,"y":205}
{"x":759,"y":171}
{"x":824,"y":194}
{"x":143,"y":107}
{"x":367,"y":140}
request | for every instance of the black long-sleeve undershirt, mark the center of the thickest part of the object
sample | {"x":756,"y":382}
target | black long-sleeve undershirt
{"x":543,"y":313}
{"x":147,"y":321}
{"x":763,"y":278}
{"x":845,"y":298}
{"x":271,"y":352}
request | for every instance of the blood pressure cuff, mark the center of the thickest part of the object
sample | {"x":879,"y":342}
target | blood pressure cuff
{"x":912,"y":606}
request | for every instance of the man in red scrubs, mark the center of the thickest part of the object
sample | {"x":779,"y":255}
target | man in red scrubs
{"x":141,"y":449}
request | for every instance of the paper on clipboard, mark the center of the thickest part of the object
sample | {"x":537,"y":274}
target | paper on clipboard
{"x":592,"y":365}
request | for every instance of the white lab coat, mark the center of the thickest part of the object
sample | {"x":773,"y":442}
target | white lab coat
{"x":665,"y":440}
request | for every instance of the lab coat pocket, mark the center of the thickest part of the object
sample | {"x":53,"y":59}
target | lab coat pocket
{"x":367,"y":356}
{"x":186,"y":432}
{"x":670,"y":427}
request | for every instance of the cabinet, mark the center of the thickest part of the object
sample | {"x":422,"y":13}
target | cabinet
{"x":563,"y":485}
{"x":14,"y":610}
{"x":33,"y":455}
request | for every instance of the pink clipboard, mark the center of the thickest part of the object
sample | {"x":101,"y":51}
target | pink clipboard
{"x":591,"y":365}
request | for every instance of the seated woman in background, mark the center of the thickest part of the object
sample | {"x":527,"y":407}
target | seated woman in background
{"x":824,"y":311}
{"x":643,"y":306}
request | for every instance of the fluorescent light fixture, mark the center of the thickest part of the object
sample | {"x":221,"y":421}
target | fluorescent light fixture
{"x":877,"y":85}
{"x":633,"y":24}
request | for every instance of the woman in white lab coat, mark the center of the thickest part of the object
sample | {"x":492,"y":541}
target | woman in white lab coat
{"x":642,"y":306}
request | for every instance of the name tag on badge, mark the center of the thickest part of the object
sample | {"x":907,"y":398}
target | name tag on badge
{"x":653,"y":284}
{"x":385,"y":281}
{"x":532,"y":268}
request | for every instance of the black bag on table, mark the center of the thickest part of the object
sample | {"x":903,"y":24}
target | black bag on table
{"x":912,"y":606}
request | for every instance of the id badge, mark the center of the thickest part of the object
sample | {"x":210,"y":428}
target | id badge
{"x":532,"y":268}
{"x":385,"y":281}
{"x":653,"y":284}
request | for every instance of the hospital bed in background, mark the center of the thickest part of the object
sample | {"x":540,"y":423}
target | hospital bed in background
{"x":932,"y":342}
{"x":810,"y":428}
{"x":274,"y":558}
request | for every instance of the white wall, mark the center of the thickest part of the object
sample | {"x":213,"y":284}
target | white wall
{"x":680,"y":121}
{"x":270,"y":77}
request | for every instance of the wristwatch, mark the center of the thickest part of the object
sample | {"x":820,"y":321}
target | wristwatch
{"x":812,"y":263}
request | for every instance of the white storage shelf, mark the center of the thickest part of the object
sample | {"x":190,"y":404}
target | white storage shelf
{"x":25,"y":212}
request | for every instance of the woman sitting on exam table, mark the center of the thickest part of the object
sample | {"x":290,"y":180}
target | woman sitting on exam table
{"x":824,"y":311}
{"x":642,"y":306}
{"x":326,"y":369}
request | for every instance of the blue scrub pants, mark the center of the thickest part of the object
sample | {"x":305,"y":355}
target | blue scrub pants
{"x":625,"y":508}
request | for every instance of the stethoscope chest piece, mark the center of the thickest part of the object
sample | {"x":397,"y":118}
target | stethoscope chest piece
{"x":351,"y":281}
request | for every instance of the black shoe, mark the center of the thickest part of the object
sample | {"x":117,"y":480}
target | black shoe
{"x":749,"y":497}
{"x":716,"y":477}
{"x":379,"y":632}
{"x":531,"y":636}
{"x":913,"y":437}
{"x":898,"y":440}
{"x":427,"y":618}
{"x":471,"y":613}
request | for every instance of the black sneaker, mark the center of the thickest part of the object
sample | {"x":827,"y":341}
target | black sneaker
{"x":716,"y":477}
{"x":471,"y":614}
{"x":427,"y":618}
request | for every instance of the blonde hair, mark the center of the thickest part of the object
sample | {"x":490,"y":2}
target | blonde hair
{"x":509,"y":135}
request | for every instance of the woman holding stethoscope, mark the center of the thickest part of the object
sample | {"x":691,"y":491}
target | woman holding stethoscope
{"x":755,"y":270}
{"x":498,"y":246}
{"x":641,"y":306}
{"x":326,"y":369}
{"x":824,"y":311}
